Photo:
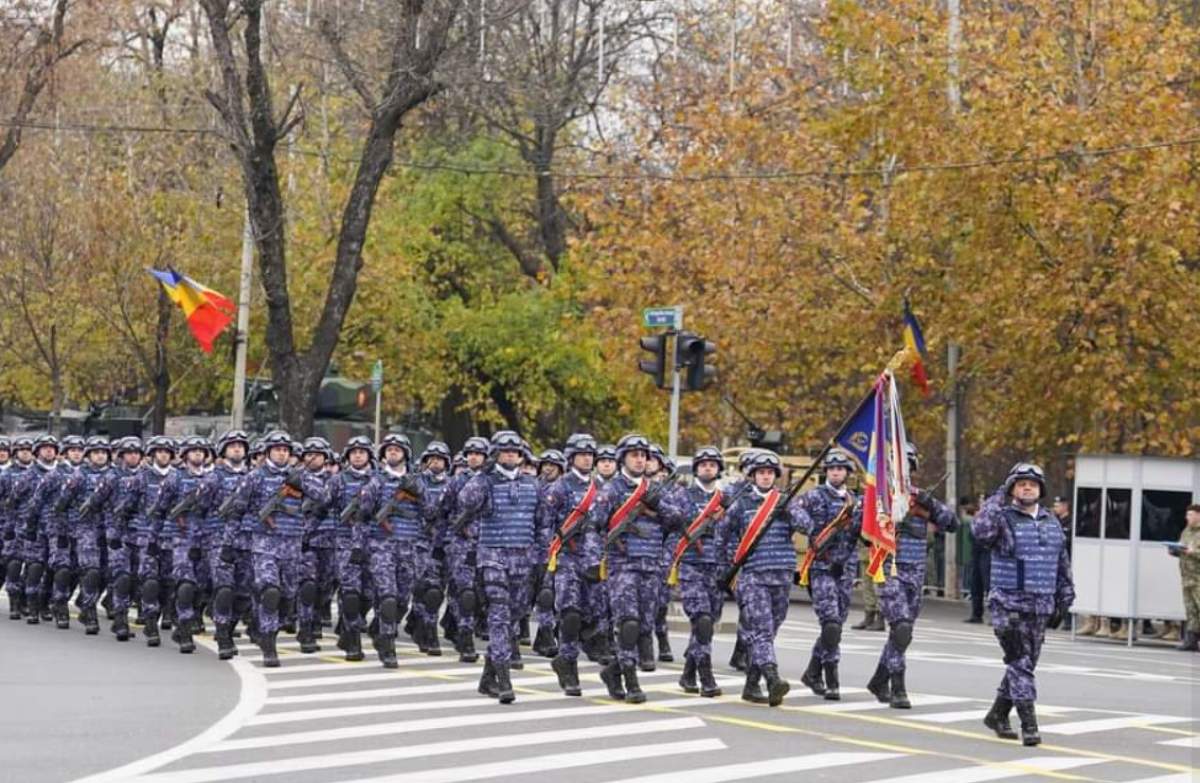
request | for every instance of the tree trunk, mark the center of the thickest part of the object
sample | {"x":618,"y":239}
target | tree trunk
{"x":162,"y":373}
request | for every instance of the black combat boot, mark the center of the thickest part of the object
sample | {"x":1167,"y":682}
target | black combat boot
{"x":899,"y":700}
{"x":504,"y":688}
{"x":150,"y":630}
{"x":708,"y":683}
{"x":880,"y":685}
{"x":183,"y":637}
{"x":738,"y":659}
{"x":433,"y":646}
{"x":543,"y":642}
{"x":633,"y":692}
{"x":777,"y":687}
{"x":120,"y":625}
{"x":167,"y":614}
{"x":226,"y":649}
{"x":465,"y":642}
{"x":385,"y":648}
{"x":90,"y":620}
{"x":862,"y":624}
{"x":664,"y":648}
{"x":611,"y":677}
{"x":646,"y":653}
{"x":831,"y":683}
{"x":106,"y":602}
{"x":812,"y":677}
{"x":997,"y":718}
{"x":33,"y":613}
{"x":751,"y":691}
{"x":1029,"y":727}
{"x":266,"y":643}
{"x":350,"y":642}
{"x":14,"y":608}
{"x":487,"y":680}
{"x":523,"y":633}
{"x":307,"y":639}
{"x":62,"y":618}
{"x":575,"y":689}
{"x":515,"y":663}
{"x":562,"y":669}
{"x":687,"y":680}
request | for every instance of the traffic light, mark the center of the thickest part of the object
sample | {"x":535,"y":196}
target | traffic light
{"x":691,"y":353}
{"x":657,"y":366}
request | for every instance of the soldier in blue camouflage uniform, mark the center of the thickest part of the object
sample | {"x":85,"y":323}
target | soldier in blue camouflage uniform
{"x":317,"y":577}
{"x":61,"y":551}
{"x":507,"y":506}
{"x":84,"y":511}
{"x":900,"y":595}
{"x":702,"y":595}
{"x":599,"y":644}
{"x":739,"y":660}
{"x":765,"y":580}
{"x":634,"y":561}
{"x":132,"y":510}
{"x":107,"y":498}
{"x":272,"y":500}
{"x":430,"y":587}
{"x":552,"y":464}
{"x":180,"y":519}
{"x":666,"y":472}
{"x":831,"y":578}
{"x":577,"y":563}
{"x":464,"y":597}
{"x":228,"y":586}
{"x":394,"y":533}
{"x":1030,"y":586}
{"x":33,"y":503}
{"x":11,"y":482}
{"x":351,"y":563}
{"x":6,"y":462}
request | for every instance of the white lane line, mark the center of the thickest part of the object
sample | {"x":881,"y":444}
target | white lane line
{"x":526,"y":766}
{"x":345,"y":666}
{"x":389,"y":693}
{"x":917,"y":699}
{"x":1182,"y":777}
{"x":381,"y":755}
{"x":327,"y":713}
{"x":401,"y":674}
{"x":1183,"y":742}
{"x":997,"y":771}
{"x":755,"y":769}
{"x":252,"y":696}
{"x":1075,"y":728}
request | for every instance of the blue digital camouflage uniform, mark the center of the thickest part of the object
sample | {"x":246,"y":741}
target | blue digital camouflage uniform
{"x":230,"y":583}
{"x":137,"y":497}
{"x":578,"y":557}
{"x":11,"y":542}
{"x":86,"y":486}
{"x":318,"y":567}
{"x":700,"y":591}
{"x":122,"y":568}
{"x":1031,"y":577}
{"x":831,"y":578}
{"x":353,"y":580}
{"x":185,"y":537}
{"x":461,"y":559}
{"x":36,"y":523}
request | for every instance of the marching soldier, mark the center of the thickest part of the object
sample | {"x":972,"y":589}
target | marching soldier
{"x":353,"y":581}
{"x":834,"y":525}
{"x":180,"y":519}
{"x":85,"y":520}
{"x":34,"y":500}
{"x":507,"y":505}
{"x":432,"y":585}
{"x":10,"y":543}
{"x":108,"y":497}
{"x":1031,"y":584}
{"x":464,"y":598}
{"x":316,"y":549}
{"x":606,"y":462}
{"x":228,"y":568}
{"x":900,"y":595}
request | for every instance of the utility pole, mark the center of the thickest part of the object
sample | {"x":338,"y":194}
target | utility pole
{"x":954,"y":96}
{"x":242,"y":339}
{"x":673,"y":416}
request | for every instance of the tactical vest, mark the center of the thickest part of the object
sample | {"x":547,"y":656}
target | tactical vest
{"x":647,"y":541}
{"x":1032,"y":566}
{"x":843,"y":548}
{"x":352,"y":484}
{"x":151,"y":485}
{"x":188,"y":482}
{"x":92,"y":479}
{"x":774,"y":550}
{"x":703,"y":552}
{"x":288,"y":519}
{"x":434,"y":488}
{"x":405,"y":518}
{"x":228,"y":481}
{"x":911,"y":540}
{"x":510,"y":522}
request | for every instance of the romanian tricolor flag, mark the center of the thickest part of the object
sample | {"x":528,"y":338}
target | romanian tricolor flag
{"x":885,"y":478}
{"x":914,"y":342}
{"x":206,"y":311}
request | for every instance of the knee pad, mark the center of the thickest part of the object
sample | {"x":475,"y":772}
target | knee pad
{"x":34,"y":573}
{"x":831,"y":635}
{"x":14,"y":570}
{"x":431,"y":597}
{"x":223,"y":600}
{"x":389,"y":610}
{"x":545,"y":598}
{"x":150,"y":590}
{"x":703,"y":628}
{"x":630,"y":630}
{"x":467,"y":601}
{"x":122,"y":585}
{"x":185,"y":594}
{"x":91,"y":579}
{"x":270,"y":598}
{"x":62,"y":578}
{"x":308,"y":593}
{"x":351,"y":605}
{"x":569,"y":625}
{"x":900,"y":635}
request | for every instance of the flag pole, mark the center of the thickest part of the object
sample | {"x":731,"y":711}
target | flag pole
{"x":242,"y":339}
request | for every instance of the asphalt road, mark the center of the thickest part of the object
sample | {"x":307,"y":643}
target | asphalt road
{"x":1107,"y":713}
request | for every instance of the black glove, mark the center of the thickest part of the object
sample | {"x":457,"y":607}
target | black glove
{"x":925,"y":500}
{"x":438,"y":554}
{"x":358,"y":557}
{"x":295,"y":479}
{"x":727,"y":500}
{"x":472,"y":559}
{"x":592,"y":573}
{"x":228,"y":556}
{"x":410,"y":485}
{"x":62,"y":542}
{"x":152,"y":549}
{"x":31,"y":533}
{"x":781,"y":515}
{"x":194,"y":554}
{"x":654,"y":494}
{"x":723,"y":581}
{"x":796,"y":578}
{"x":304,"y":545}
{"x":115,"y":543}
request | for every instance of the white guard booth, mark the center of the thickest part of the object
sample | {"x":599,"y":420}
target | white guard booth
{"x":1126,"y":509}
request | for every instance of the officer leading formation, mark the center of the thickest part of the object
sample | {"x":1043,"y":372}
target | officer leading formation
{"x":271,"y":535}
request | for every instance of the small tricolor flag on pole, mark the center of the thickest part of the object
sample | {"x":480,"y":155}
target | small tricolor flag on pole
{"x":206,"y":311}
{"x":914,"y":341}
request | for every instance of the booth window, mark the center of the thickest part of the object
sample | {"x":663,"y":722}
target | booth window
{"x":1164,"y":514}
{"x":1119,"y":507}
{"x":1087,"y":512}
